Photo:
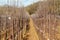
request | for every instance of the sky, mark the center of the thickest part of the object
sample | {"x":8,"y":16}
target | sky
{"x":20,"y":2}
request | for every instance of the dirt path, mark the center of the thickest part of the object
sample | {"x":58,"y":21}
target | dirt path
{"x":32,"y":32}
